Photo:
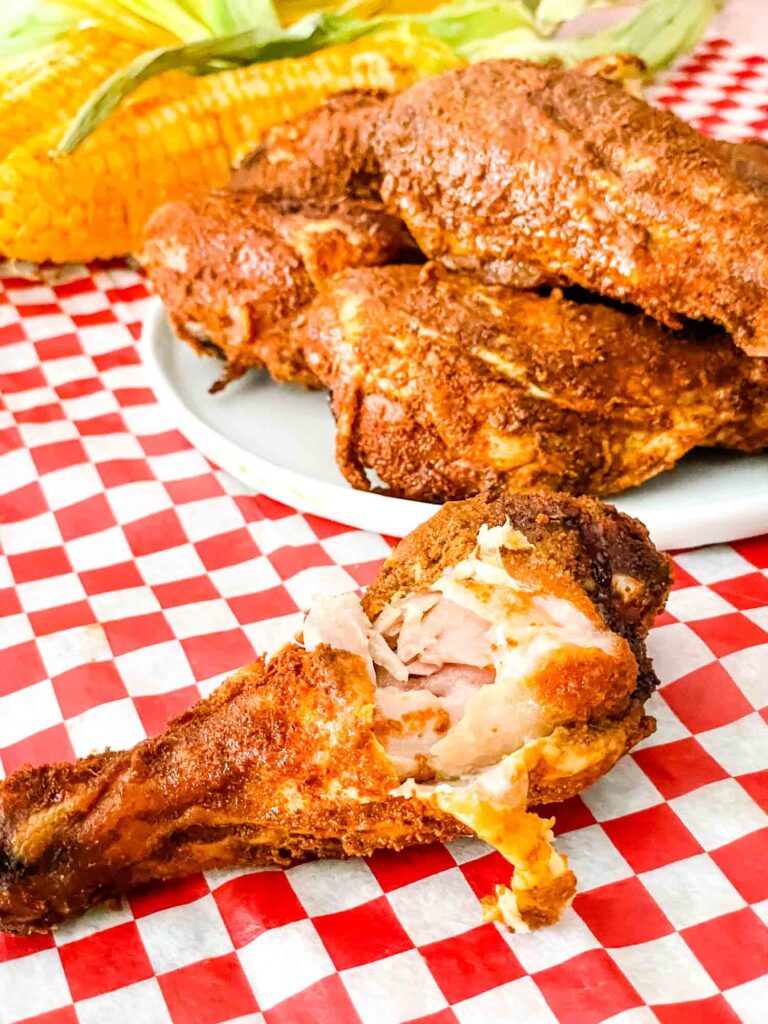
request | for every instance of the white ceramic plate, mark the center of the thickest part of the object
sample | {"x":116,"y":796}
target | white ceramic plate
{"x":279,"y":440}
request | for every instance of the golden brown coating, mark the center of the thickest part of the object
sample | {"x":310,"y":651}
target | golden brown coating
{"x":233,"y":270}
{"x":528,"y":173}
{"x":446,"y":387}
{"x":324,"y":154}
{"x":281,"y":762}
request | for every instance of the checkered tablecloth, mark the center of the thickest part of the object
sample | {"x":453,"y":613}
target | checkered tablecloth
{"x":135,"y":576}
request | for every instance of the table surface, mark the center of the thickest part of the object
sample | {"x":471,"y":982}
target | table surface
{"x":135,"y":576}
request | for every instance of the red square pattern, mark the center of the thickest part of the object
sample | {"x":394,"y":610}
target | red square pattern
{"x":20,"y":666}
{"x":446,"y":1016}
{"x":134,"y":396}
{"x":120,"y":576}
{"x":108,"y":423}
{"x":124,"y":471}
{"x":24,"y":503}
{"x":63,"y":616}
{"x":58,"y":348}
{"x":40,"y":414}
{"x":739,"y":862}
{"x":64,"y":1015}
{"x":225,"y":549}
{"x":362,"y":934}
{"x":755,"y":550}
{"x":49,"y":457}
{"x":252,"y":904}
{"x":190,"y":591}
{"x":130,"y":634}
{"x":756,"y":784}
{"x":217,"y":652}
{"x":485,"y":873}
{"x":651,"y":838}
{"x":39,"y":565}
{"x":587,"y":989}
{"x":622,"y":914}
{"x":749,"y":591}
{"x":262,"y":604}
{"x":157,"y":710}
{"x":14,"y":946}
{"x":118,"y":357}
{"x":326,"y":1000}
{"x":471,"y":963}
{"x":48,"y":745}
{"x":164,"y":443}
{"x":194,"y":488}
{"x":707,"y":698}
{"x":208,"y":992}
{"x":569,"y":815}
{"x":733,"y":948}
{"x":290,"y":561}
{"x":84,"y":687}
{"x":157,"y":532}
{"x":105,"y":961}
{"x":394,"y":869}
{"x":162,"y":895}
{"x":714,"y":1010}
{"x":727,"y":634}
{"x":79,"y":388}
{"x":677,"y":768}
{"x":9,"y":602}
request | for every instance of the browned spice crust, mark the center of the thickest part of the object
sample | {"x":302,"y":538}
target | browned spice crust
{"x":507,"y":164}
{"x":446,"y":387}
{"x":234,"y":270}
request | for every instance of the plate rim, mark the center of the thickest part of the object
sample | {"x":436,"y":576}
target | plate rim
{"x":721,"y":520}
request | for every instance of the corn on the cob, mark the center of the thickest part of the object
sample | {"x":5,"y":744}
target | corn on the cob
{"x":183,"y":134}
{"x":55,"y":81}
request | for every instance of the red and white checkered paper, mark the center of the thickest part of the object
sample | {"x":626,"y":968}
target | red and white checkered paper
{"x":136,"y":575}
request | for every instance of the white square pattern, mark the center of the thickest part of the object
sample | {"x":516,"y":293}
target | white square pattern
{"x":664,"y":971}
{"x":692,"y":890}
{"x":394,"y":990}
{"x":283,"y":961}
{"x":183,"y":935}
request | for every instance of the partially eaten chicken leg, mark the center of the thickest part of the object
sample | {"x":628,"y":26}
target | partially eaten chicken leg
{"x":497,"y":662}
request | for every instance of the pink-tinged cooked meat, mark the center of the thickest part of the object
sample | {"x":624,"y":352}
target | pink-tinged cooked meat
{"x":446,"y":634}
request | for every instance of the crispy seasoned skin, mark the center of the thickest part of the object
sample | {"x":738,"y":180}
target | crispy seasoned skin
{"x":322,"y":155}
{"x":233,"y":270}
{"x":528,"y":173}
{"x":295,"y":757}
{"x":447,"y":387}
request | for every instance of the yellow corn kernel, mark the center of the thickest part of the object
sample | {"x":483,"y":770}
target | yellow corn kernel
{"x":183,"y":134}
{"x":56,"y":81}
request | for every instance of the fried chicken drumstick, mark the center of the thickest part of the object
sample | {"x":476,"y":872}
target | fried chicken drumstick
{"x":498,"y":661}
{"x":447,"y":387}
